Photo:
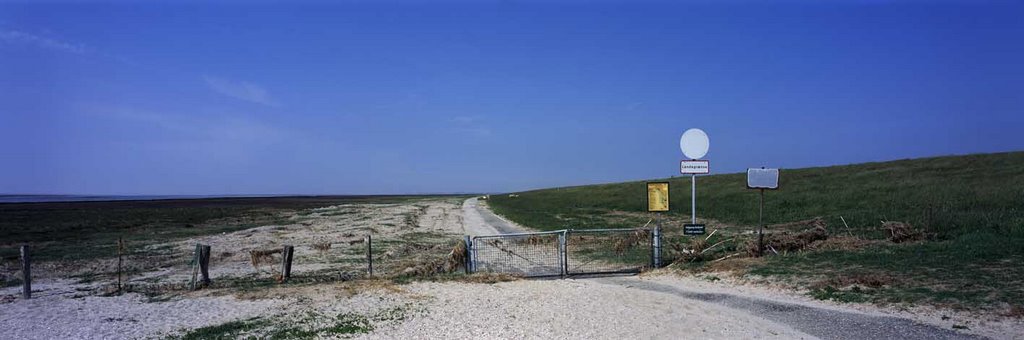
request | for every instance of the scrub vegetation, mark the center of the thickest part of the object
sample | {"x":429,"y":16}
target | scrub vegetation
{"x":959,"y":242}
{"x":87,"y":230}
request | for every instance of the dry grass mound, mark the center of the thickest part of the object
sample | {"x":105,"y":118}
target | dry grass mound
{"x":788,"y":241}
{"x":840,"y":243}
{"x":900,"y":232}
{"x":817,"y":222}
{"x":455,"y":259}
{"x":632,"y":240}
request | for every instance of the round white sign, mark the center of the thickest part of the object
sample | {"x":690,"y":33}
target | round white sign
{"x":694,"y":143}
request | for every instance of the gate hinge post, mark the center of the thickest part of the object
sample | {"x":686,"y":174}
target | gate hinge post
{"x":656,"y":246}
{"x":468,"y":254}
{"x":563,"y":256}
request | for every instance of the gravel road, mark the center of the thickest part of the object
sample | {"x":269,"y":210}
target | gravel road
{"x":480,"y":221}
{"x":825,"y":322}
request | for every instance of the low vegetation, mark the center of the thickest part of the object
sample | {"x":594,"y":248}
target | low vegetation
{"x":946,"y":231}
{"x":311,"y":326}
{"x":87,"y":230}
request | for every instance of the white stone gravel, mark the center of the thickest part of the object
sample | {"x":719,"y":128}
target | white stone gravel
{"x":574,"y":309}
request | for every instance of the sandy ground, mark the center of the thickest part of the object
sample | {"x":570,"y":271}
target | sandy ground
{"x":649,"y":306}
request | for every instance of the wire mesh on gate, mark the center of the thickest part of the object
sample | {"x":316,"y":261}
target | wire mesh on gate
{"x":599,"y":251}
{"x":534,"y":254}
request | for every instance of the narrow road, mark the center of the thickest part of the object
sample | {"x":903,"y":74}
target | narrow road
{"x":480,"y":221}
{"x":822,"y":322}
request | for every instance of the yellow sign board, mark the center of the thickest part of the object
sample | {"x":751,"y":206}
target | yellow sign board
{"x":657,"y":196}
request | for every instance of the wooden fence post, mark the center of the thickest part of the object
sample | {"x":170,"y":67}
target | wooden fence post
{"x":26,"y":272}
{"x":204,"y":264}
{"x":286,"y":262}
{"x":195,"y":266}
{"x":120,"y":251}
{"x":369,"y":256}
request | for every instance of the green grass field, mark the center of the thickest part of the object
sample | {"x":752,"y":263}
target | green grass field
{"x":971,"y":206}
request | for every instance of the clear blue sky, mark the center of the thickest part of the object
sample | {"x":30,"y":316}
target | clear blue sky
{"x":490,"y":97}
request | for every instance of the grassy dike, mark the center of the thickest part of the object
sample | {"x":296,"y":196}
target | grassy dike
{"x":972,"y":208}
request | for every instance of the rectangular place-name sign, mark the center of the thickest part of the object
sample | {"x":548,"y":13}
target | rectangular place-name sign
{"x":762,"y":178}
{"x":694,"y":167}
{"x":693,"y":229}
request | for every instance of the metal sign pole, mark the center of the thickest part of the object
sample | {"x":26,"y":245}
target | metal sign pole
{"x":760,"y":227}
{"x":693,"y":198}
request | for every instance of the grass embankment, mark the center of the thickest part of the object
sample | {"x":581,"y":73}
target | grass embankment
{"x":88,"y":230}
{"x":972,"y":208}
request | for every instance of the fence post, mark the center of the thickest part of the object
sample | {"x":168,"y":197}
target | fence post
{"x":204,"y":264}
{"x":195,"y":266}
{"x":369,"y":256}
{"x":473,"y":257}
{"x":286,"y":262}
{"x":26,"y":272}
{"x":563,"y":256}
{"x":469,"y":254}
{"x":656,"y":246}
{"x":120,"y":251}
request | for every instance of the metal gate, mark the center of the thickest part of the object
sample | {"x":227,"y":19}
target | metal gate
{"x":605,"y":251}
{"x":566,"y":252}
{"x":528,"y":254}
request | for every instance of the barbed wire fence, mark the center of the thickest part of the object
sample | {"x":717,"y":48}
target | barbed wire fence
{"x":157,"y":269}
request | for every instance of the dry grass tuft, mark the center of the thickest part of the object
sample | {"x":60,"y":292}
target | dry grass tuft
{"x":805,"y":224}
{"x":455,"y":259}
{"x":696,"y":251}
{"x":322,"y":247}
{"x":632,"y":240}
{"x":788,"y":241}
{"x":902,"y":232}
{"x":840,"y":243}
{"x":258,"y":257}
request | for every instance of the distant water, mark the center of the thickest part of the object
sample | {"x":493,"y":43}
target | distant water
{"x":87,"y":198}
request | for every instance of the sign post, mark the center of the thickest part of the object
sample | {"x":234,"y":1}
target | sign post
{"x":694,"y":144}
{"x":762,"y":179}
{"x":657,"y":201}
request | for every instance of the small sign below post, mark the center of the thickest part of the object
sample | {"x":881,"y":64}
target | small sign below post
{"x":694,"y":229}
{"x":657,"y":196}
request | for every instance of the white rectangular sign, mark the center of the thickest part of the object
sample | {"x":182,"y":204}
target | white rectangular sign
{"x":694,"y":167}
{"x":762,"y":178}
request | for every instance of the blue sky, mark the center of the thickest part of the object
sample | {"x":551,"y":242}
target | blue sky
{"x":366,"y":98}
